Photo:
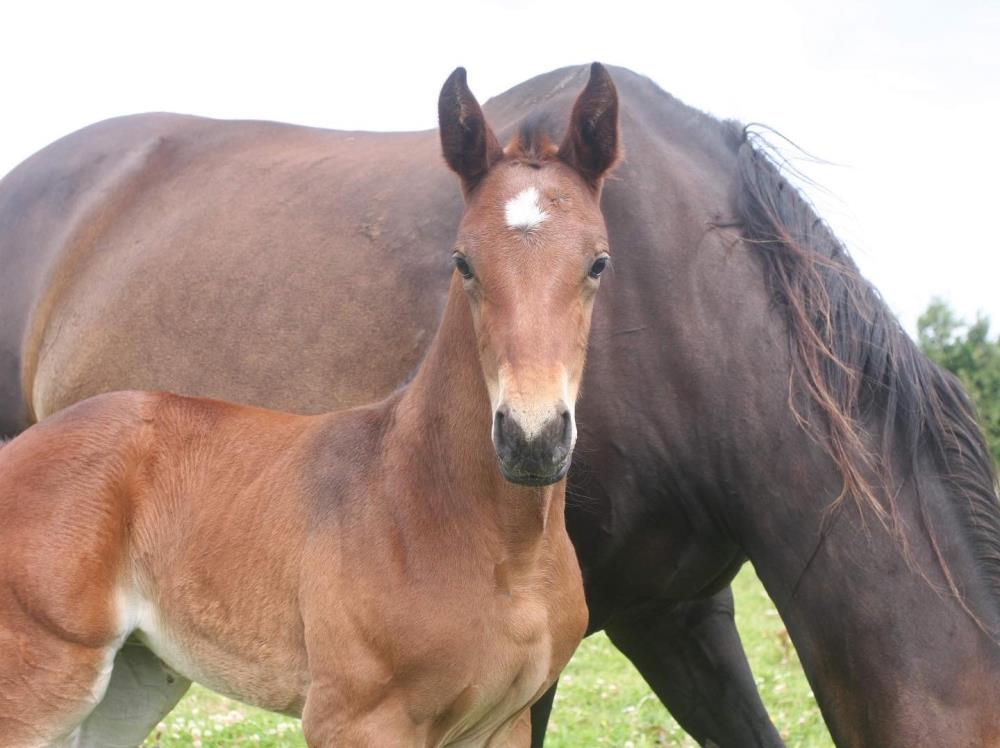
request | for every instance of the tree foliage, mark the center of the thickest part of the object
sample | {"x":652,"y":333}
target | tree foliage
{"x":968,"y":351}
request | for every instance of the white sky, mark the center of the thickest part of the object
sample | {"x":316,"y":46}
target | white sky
{"x":903,"y":96}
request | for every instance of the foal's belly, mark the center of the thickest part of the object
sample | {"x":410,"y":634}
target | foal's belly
{"x":276,"y":677}
{"x":265,"y":673}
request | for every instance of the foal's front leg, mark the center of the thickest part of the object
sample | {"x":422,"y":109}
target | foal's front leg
{"x":518,"y":735}
{"x":327,"y":721}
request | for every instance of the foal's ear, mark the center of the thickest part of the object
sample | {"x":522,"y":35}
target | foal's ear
{"x":591,"y":143}
{"x":468,"y":143}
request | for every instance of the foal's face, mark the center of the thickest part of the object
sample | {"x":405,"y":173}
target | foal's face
{"x":531,"y":249}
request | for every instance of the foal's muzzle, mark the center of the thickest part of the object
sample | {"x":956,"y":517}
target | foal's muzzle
{"x":536,"y":459}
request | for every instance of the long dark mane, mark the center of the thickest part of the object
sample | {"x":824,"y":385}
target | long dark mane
{"x":860,"y":386}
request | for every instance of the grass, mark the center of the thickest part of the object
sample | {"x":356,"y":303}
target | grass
{"x":601,"y":701}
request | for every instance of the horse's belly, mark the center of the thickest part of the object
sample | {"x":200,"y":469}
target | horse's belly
{"x":241,"y":667}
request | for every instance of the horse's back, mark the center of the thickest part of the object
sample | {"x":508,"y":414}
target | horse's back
{"x":38,"y":201}
{"x":52,"y":208}
{"x":142,"y":228}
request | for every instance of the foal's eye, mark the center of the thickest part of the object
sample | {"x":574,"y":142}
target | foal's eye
{"x":598,"y":267}
{"x":462,"y":266}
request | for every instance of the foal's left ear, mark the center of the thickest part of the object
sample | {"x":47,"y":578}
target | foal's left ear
{"x":591,"y":143}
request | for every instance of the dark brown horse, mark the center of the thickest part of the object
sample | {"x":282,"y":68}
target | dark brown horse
{"x":741,"y":374}
{"x":369,"y":569}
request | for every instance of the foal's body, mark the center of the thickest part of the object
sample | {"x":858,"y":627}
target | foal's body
{"x":372,"y":570}
{"x":186,"y":532}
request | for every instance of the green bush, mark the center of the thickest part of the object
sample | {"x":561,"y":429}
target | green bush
{"x":967,"y":351}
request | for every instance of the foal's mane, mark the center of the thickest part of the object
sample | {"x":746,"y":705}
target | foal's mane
{"x":869,"y":391}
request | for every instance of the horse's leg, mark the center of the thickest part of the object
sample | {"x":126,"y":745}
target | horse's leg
{"x":141,"y":692}
{"x":540,"y":712}
{"x":47,"y":685}
{"x":58,"y":615}
{"x":58,"y":693}
{"x":518,"y":735}
{"x":326,"y":722}
{"x":691,"y":655}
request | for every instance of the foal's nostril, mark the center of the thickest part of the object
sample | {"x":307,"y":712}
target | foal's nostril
{"x":504,"y":437}
{"x":564,"y":441}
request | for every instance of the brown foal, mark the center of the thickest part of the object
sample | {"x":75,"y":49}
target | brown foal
{"x":371,"y":569}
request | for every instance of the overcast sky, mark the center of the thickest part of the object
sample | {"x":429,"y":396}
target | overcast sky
{"x":904,"y":97}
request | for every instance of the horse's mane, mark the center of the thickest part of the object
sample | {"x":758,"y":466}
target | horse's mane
{"x":875,"y":393}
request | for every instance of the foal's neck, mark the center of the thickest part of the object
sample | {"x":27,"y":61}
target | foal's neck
{"x":445,"y":417}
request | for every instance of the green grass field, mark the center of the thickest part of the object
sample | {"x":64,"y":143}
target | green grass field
{"x":602,"y":701}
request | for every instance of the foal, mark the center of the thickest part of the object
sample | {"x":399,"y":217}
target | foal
{"x":372,"y":569}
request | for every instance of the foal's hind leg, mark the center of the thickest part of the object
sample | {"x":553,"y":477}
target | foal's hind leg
{"x":56,"y":693}
{"x":141,"y":692}
{"x":47,"y":685}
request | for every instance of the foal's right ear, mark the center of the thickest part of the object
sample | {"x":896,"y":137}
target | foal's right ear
{"x":468,"y":143}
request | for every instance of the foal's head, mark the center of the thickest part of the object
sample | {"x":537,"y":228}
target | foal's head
{"x":531,"y":248}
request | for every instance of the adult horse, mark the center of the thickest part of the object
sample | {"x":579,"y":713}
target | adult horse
{"x":747,"y":392}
